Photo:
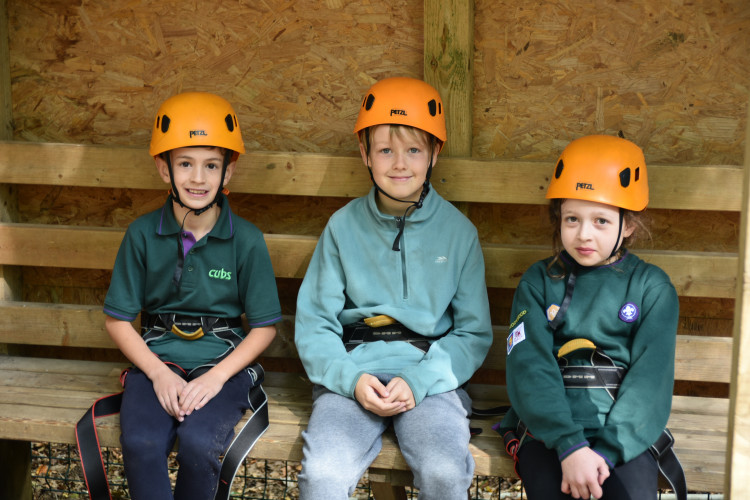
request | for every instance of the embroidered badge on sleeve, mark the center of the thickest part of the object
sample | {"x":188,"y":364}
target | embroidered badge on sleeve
{"x":517,"y":335}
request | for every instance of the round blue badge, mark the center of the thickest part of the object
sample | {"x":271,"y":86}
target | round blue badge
{"x":629,"y":312}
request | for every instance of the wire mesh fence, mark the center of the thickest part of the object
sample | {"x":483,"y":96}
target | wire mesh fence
{"x":56,"y":474}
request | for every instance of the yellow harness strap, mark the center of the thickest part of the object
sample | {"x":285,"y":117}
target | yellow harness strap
{"x":377,"y":321}
{"x":188,"y":336}
{"x":574,"y":345}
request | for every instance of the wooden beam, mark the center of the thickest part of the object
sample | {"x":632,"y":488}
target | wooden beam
{"x":15,"y":475}
{"x":6,"y":103}
{"x":448,"y":66}
{"x":312,"y":174}
{"x":738,"y":440}
{"x":71,"y":325}
{"x":694,"y":274}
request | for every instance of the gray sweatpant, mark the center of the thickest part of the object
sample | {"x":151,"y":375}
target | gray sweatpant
{"x":342,"y":439}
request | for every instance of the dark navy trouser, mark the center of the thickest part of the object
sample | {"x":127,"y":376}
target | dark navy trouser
{"x":540,"y":470}
{"x":149,"y":434}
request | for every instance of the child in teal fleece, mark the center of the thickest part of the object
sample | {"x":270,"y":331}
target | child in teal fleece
{"x":403,"y":256}
{"x":584,"y":441}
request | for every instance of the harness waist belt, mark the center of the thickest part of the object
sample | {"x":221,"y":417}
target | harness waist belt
{"x":359,"y":333}
{"x":188,"y":327}
{"x":589,"y":377}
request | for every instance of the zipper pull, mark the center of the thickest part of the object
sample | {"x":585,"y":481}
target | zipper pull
{"x":400,"y":223}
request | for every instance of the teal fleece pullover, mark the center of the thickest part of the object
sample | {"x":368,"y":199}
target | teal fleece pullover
{"x":435,"y":283}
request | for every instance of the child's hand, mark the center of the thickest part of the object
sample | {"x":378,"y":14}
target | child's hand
{"x":400,"y":392}
{"x":372,"y":395}
{"x":168,"y":386}
{"x":584,"y":471}
{"x":198,"y":392}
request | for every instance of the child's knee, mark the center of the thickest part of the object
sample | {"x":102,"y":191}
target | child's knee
{"x":328,"y":471}
{"x":196,"y":444}
{"x":141,"y":444}
{"x":444,"y":476}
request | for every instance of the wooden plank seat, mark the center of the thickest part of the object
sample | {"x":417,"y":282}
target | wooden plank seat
{"x":42,"y":398}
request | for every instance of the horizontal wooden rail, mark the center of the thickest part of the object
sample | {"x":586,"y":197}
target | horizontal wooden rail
{"x":697,"y":359}
{"x":691,"y":187}
{"x":697,"y":274}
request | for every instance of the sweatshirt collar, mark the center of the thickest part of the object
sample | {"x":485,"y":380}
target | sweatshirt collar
{"x":415,"y":215}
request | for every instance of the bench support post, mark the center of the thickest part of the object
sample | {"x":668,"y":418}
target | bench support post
{"x":15,"y":474}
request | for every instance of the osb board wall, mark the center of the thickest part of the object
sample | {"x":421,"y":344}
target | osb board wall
{"x":671,"y":75}
{"x":95,"y":71}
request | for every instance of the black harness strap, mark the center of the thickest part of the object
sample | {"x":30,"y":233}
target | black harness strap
{"x":669,"y":465}
{"x":89,"y":450}
{"x":356,"y":334}
{"x":253,"y":429}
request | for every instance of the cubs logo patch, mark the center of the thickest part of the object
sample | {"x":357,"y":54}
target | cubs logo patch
{"x":516,"y":336}
{"x":552,"y":311}
{"x":629,"y":312}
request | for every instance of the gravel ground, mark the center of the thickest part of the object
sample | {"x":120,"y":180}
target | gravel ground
{"x":56,"y":474}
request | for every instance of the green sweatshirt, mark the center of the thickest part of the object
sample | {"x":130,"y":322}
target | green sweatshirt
{"x":629,"y":309}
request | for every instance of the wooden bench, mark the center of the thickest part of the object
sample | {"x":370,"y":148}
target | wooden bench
{"x":58,"y":358}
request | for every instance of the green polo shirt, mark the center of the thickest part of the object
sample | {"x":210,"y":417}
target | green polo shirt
{"x":226,"y":273}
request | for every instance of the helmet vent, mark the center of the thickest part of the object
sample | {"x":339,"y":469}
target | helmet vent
{"x":369,"y":102}
{"x":558,"y":169}
{"x":637,"y":173}
{"x":165,"y":124}
{"x":625,"y":177}
{"x":432,"y":105}
{"x":230,"y":123}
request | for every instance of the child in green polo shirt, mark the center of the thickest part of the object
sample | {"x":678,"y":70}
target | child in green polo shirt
{"x":590,"y":365}
{"x":192,"y":268}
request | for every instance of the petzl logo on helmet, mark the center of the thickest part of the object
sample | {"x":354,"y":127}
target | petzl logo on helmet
{"x":193,"y":133}
{"x":400,"y":112}
{"x":584,"y":185}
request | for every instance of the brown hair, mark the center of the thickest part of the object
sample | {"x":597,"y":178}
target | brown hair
{"x":365,"y":135}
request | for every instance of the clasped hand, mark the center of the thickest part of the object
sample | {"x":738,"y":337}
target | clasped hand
{"x":584,"y":472}
{"x":180,"y":398}
{"x":384,"y":400}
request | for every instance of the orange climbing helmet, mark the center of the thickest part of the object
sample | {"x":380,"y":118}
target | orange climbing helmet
{"x":604,"y":169}
{"x":403,"y":101}
{"x":196,"y":119}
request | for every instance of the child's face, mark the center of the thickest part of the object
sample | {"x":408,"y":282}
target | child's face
{"x":197,"y":174}
{"x":589,"y":231}
{"x":399,"y":163}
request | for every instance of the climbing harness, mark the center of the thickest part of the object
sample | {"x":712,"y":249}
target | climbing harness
{"x":87,"y":438}
{"x":604,"y":374}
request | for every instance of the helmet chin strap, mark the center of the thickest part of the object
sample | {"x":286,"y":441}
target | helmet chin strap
{"x":619,"y":233}
{"x":412,"y":204}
